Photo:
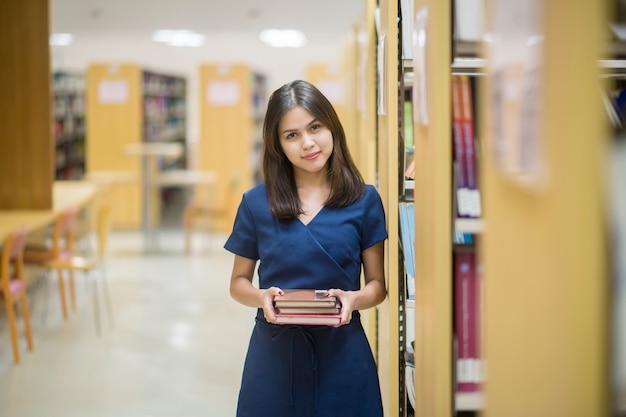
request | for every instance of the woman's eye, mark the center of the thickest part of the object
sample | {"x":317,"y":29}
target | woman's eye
{"x":291,"y":135}
{"x":316,"y":127}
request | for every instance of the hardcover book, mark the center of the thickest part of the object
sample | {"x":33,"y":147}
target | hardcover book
{"x":319,"y":319}
{"x":309,"y":310}
{"x":304,"y":298}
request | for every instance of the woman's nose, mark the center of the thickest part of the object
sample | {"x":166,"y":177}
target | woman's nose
{"x":307,"y":141}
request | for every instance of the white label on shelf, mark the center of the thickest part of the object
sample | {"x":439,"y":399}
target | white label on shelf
{"x":113,"y":91}
{"x":223,"y":93}
{"x":468,"y":202}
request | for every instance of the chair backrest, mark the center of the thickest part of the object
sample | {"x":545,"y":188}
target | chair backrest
{"x":64,"y":230}
{"x":12,"y":251}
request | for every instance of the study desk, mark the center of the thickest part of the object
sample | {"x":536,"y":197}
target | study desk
{"x":186,"y":178}
{"x":65,"y":194}
{"x":148,"y":151}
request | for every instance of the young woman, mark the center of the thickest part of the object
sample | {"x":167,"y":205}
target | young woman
{"x":313,"y":224}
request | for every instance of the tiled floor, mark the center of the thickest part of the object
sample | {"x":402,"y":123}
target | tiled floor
{"x":176,"y":350}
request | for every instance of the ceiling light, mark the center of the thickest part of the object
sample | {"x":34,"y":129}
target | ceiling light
{"x":61,"y":39}
{"x":283,"y":38}
{"x":178,"y":37}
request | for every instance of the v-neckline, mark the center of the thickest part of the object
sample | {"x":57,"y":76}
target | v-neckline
{"x":312,"y":218}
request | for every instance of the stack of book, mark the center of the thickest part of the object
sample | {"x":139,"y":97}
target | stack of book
{"x":307,"y":306}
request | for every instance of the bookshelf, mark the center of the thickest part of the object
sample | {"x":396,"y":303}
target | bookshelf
{"x":391,"y":312}
{"x":567,"y":287}
{"x":232,"y":101}
{"x":129,"y":105}
{"x":417,"y":125}
{"x":532,"y":290}
{"x":68,"y":99}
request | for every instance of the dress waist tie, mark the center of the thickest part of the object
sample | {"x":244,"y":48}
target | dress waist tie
{"x":299,"y":331}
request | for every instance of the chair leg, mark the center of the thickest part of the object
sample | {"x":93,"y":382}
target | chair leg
{"x":26,"y":316}
{"x":188,"y":223}
{"x":107,"y":296}
{"x":13,"y":328}
{"x":96,"y":304}
{"x":72,"y":289}
{"x":62,"y":293}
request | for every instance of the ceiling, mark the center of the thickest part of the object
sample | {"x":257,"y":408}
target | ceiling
{"x":322,"y":21}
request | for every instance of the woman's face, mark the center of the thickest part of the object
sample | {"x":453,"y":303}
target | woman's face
{"x":307,"y":143}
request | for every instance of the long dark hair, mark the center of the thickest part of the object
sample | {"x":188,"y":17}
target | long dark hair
{"x":346,"y":182}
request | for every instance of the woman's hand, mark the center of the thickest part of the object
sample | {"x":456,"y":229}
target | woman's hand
{"x":346,"y":298}
{"x":268,"y":303}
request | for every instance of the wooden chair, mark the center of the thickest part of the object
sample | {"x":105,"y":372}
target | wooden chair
{"x":13,"y":287}
{"x":95,"y":267}
{"x":62,"y":258}
{"x":56,"y":256}
{"x":200,"y":210}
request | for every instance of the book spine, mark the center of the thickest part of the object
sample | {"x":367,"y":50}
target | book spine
{"x":457,"y":133}
{"x":465,"y":321}
{"x":467,"y":117}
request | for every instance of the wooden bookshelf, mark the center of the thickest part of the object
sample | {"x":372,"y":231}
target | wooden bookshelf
{"x":26,"y":144}
{"x":544,"y":251}
{"x":127,"y":105}
{"x":232,"y":102}
{"x":68,"y":98}
{"x":391,"y":367}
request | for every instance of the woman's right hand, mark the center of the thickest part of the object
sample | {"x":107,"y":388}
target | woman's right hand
{"x":268,"y":303}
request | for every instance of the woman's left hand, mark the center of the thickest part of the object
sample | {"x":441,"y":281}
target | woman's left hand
{"x":346,"y":298}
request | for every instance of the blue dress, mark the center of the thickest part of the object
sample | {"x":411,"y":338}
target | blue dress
{"x":306,"y":371}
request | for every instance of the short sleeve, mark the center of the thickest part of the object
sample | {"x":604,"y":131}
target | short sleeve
{"x":374,"y":221}
{"x":243,"y":239}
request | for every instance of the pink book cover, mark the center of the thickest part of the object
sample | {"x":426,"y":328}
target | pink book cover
{"x":467,"y":117}
{"x":457,"y":133}
{"x":465,"y":321}
{"x":309,"y":319}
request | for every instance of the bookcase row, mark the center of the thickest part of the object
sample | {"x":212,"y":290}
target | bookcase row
{"x":473,"y":270}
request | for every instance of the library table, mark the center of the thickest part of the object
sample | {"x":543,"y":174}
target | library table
{"x":149,"y":151}
{"x":65,"y":194}
{"x":186,"y":178}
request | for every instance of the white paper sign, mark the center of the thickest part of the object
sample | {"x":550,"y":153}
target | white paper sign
{"x":333,"y":90}
{"x":382,"y":76}
{"x":420,"y":86}
{"x":113,"y":91}
{"x":223,"y":93}
{"x":515,"y":64}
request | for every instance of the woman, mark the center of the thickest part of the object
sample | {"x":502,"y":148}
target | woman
{"x":313,"y":224}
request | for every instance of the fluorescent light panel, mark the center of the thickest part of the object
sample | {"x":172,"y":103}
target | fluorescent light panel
{"x":178,"y":38}
{"x":283,"y":38}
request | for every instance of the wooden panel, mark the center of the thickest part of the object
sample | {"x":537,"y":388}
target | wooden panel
{"x":544,"y":250}
{"x":433,"y":230}
{"x":110,"y":127}
{"x":226,"y":132}
{"x":26,"y":142}
{"x":388,"y":354}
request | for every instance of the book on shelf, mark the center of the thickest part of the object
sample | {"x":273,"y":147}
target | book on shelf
{"x":407,"y":236}
{"x":467,"y":324}
{"x":305,"y":298}
{"x":310,"y":319}
{"x":464,"y":144}
{"x":457,"y":133}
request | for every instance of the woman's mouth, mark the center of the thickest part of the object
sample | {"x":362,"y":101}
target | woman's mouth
{"x":311,"y":156}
